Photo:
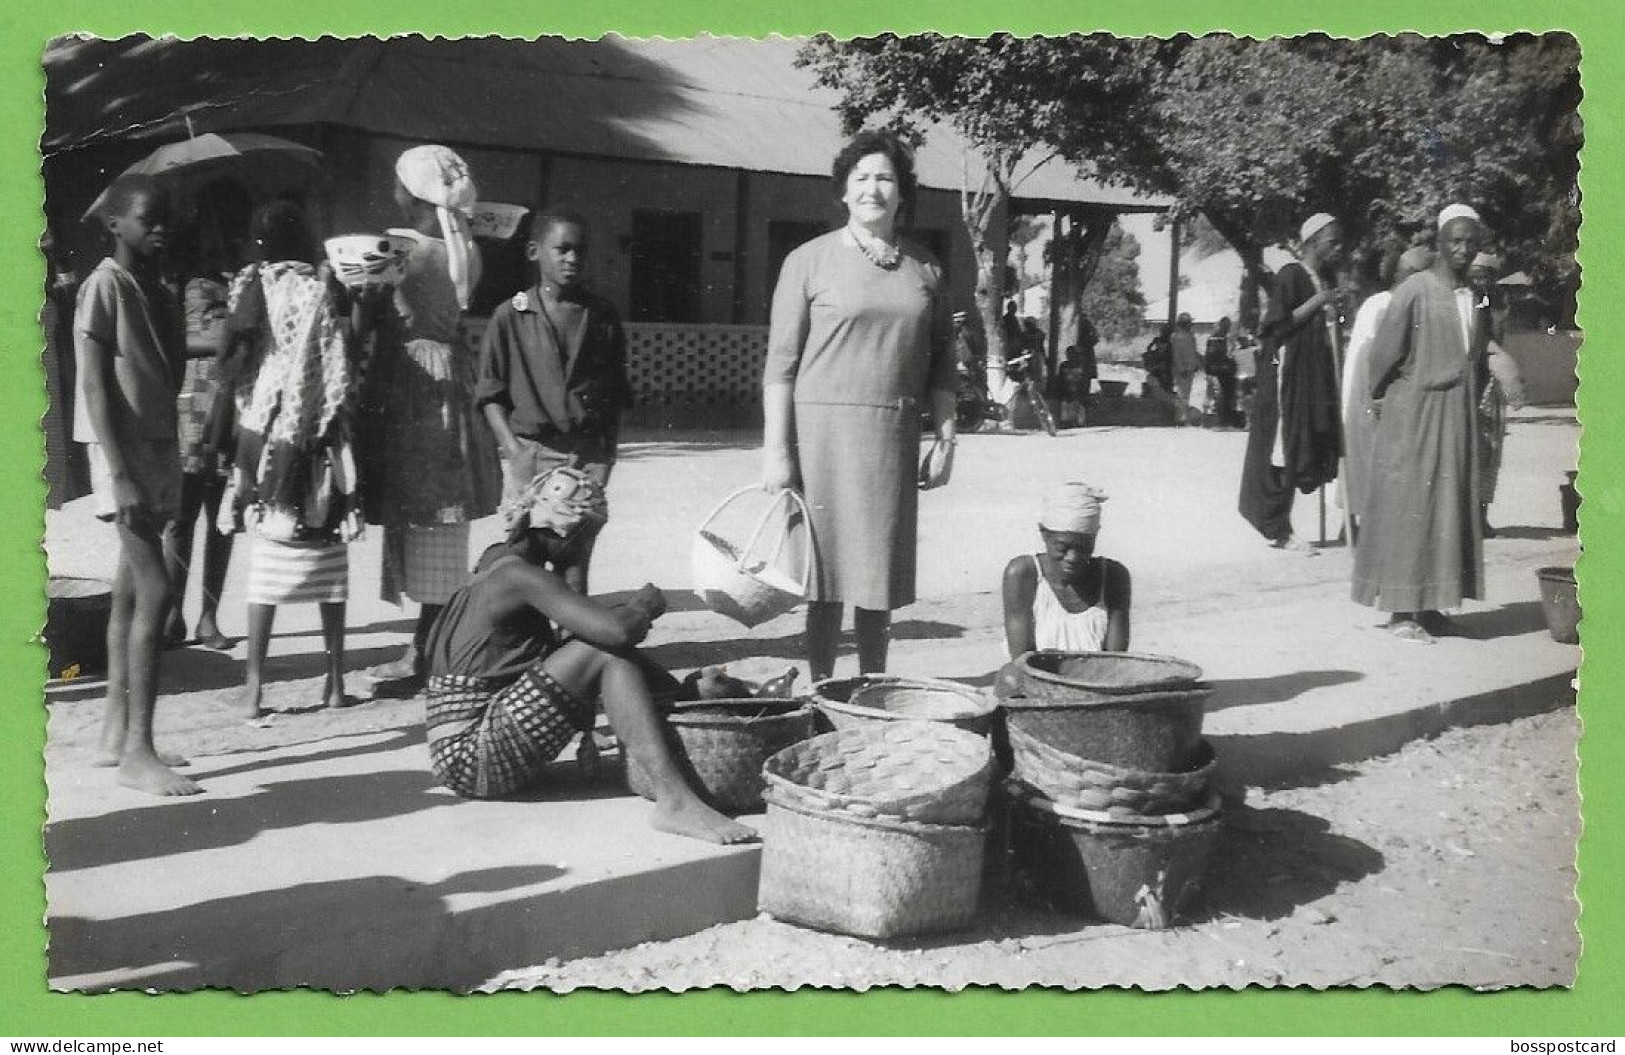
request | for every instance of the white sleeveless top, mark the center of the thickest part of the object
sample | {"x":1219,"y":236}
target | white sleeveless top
{"x":1055,"y":627}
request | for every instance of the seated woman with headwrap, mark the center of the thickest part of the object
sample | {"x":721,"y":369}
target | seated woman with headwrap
{"x":506,"y":694}
{"x":1066,"y":597}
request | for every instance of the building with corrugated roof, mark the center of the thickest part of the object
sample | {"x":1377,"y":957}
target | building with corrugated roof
{"x":700,"y":163}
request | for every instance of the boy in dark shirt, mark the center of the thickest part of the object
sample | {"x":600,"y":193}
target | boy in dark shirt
{"x":552,"y":380}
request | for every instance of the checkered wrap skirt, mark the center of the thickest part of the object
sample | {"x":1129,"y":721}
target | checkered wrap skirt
{"x":488,"y":740}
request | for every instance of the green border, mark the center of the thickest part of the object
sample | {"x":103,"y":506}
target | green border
{"x":26,"y":1008}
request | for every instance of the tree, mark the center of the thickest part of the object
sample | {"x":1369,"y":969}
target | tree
{"x":1113,"y":300}
{"x":1018,"y":102}
{"x":1381,"y":132}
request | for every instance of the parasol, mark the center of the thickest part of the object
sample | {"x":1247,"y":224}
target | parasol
{"x":266,"y":162}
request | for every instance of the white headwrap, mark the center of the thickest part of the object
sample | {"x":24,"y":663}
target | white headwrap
{"x":1457,"y":212}
{"x":436,"y":174}
{"x":1072,"y":507}
{"x":1315,"y":223}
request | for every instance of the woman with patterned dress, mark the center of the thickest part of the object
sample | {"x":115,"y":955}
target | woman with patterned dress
{"x":860,"y":336}
{"x":294,"y":483}
{"x":429,"y":462}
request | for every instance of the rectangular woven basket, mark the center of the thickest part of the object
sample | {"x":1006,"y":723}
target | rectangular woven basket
{"x":872,"y":878}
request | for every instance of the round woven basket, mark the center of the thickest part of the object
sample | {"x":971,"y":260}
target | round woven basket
{"x":913,"y":771}
{"x":1136,"y":875}
{"x":1087,"y":784}
{"x":869,"y":698}
{"x":1154,"y":731}
{"x":721,"y":744}
{"x":872,"y":877}
{"x":1068,"y":676}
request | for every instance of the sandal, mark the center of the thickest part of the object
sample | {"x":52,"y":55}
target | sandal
{"x":1410,"y":630}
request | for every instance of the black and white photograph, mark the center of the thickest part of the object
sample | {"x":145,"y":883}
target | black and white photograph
{"x":659,"y":514}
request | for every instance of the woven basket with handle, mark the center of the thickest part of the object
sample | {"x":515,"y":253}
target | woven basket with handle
{"x":874,"y":877}
{"x":916,"y":771}
{"x":721,"y":745}
{"x":748,"y":582}
{"x":1086,"y":784}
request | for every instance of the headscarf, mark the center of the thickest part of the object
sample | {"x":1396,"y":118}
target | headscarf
{"x":1457,"y":212}
{"x":304,"y":375}
{"x":1073,"y":507}
{"x":435,"y":174}
{"x":1310,"y":227}
{"x":562,"y":500}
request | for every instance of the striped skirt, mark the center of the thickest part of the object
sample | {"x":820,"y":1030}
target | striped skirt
{"x":298,"y":572}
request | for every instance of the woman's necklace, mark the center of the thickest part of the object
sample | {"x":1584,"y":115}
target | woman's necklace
{"x":886,"y":257}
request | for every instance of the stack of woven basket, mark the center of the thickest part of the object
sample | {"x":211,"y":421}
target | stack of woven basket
{"x":1113,"y":812}
{"x":878,"y":829}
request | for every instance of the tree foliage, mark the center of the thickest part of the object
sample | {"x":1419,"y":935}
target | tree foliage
{"x":1253,"y":135}
{"x":1381,"y":132}
{"x":1018,"y":102}
{"x":1113,"y":299}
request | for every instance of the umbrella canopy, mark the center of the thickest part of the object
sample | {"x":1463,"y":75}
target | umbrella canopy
{"x":268,"y":163}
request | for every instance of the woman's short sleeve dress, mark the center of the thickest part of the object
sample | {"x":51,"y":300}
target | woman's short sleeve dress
{"x":862,"y":346}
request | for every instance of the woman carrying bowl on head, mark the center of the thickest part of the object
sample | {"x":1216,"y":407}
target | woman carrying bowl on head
{"x":860,"y":336}
{"x":429,"y":462}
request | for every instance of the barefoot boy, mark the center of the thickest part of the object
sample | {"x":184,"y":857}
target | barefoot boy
{"x":505,"y":695}
{"x":128,"y":339}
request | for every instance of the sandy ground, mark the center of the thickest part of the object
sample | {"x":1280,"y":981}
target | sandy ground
{"x":1397,"y":870}
{"x":1317,"y":886}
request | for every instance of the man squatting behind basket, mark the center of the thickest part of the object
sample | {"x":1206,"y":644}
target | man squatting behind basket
{"x":505,"y":694}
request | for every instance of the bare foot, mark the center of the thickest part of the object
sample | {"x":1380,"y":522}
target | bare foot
{"x":248,"y":704}
{"x":144,"y":772}
{"x":695,"y":819}
{"x":168,"y":758}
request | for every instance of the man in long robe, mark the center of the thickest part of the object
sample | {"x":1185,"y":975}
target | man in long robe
{"x":1294,"y":427}
{"x":1420,"y":550}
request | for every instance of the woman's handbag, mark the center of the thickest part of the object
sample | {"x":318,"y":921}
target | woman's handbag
{"x":747,"y":584}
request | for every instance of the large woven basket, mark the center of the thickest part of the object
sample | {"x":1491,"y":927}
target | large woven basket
{"x":743,"y":581}
{"x":1155,"y":731}
{"x":917,"y":771}
{"x":1138,"y":875}
{"x":1069,"y":676}
{"x":721,"y":744}
{"x":1087,"y":784}
{"x":869,"y":877}
{"x":868,"y":698}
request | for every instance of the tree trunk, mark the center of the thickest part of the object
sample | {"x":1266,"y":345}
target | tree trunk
{"x":1252,"y":284}
{"x":985,"y":216}
{"x":1074,"y":258}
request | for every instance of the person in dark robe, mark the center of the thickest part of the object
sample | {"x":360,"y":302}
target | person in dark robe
{"x":1294,"y":432}
{"x":1420,"y":550}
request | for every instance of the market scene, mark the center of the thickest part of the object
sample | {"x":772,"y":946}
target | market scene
{"x":462,"y":455}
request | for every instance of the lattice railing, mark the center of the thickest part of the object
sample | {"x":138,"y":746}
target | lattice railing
{"x":689,"y":363}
